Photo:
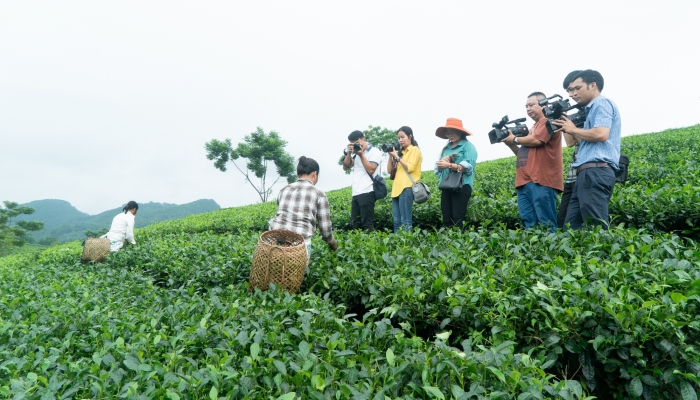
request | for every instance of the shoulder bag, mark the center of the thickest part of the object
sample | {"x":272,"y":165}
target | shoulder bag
{"x":378,"y":185}
{"x":421,"y":193}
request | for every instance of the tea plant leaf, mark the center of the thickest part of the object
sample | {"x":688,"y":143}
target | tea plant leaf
{"x":434,"y":392}
{"x":287,"y":396}
{"x":498,"y":374}
{"x":390,"y":357}
{"x":636,"y":387}
{"x":280,"y":367}
{"x":687,"y":391}
{"x":444,"y":335}
{"x":575,"y":388}
{"x":213,"y":393}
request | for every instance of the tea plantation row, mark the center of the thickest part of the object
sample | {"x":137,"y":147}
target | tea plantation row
{"x":662,"y":194}
{"x":620,"y":307}
{"x":94,"y":331}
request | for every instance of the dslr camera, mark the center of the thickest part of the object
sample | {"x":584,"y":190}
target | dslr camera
{"x":387,"y":147}
{"x":355,"y":148}
{"x":500,"y":130}
{"x":554,"y":109}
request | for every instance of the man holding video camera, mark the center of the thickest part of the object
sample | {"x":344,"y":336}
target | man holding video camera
{"x":538,"y":174}
{"x":364,"y":159}
{"x":598,"y":154}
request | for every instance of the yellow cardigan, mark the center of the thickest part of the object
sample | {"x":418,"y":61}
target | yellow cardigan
{"x":413,"y":158}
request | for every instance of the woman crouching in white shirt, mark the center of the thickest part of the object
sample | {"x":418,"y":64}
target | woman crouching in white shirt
{"x":122,"y":227}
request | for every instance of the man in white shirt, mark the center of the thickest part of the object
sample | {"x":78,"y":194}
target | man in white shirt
{"x":363,"y":159}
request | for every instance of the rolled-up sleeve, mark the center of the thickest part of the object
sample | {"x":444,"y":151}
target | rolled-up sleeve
{"x":323,"y":215}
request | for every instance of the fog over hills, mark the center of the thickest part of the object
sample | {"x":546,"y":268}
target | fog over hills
{"x":65,"y":222}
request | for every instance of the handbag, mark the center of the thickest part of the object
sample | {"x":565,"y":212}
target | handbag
{"x":421,"y":192}
{"x":379,"y":186}
{"x":452,"y":182}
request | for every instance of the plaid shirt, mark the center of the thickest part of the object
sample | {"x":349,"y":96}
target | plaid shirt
{"x":571,"y":176}
{"x":299,"y":206}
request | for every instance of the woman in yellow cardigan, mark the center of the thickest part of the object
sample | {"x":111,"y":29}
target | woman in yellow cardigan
{"x":401,"y":164}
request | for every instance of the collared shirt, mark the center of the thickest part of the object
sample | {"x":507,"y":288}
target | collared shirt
{"x":299,"y":206}
{"x":122,"y":228}
{"x":541,"y":164}
{"x":466,"y":157}
{"x":571,"y":175}
{"x":361,"y":182}
{"x":413,"y":158}
{"x":601,"y":112}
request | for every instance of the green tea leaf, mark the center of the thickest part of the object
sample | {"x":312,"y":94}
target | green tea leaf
{"x":434,"y":392}
{"x":636,"y":387}
{"x":498,"y":374}
{"x":687,"y":391}
{"x":280,"y":367}
{"x":390,"y":357}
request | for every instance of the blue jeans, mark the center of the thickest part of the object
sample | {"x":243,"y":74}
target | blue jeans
{"x":402,"y":209}
{"x":537,"y":204}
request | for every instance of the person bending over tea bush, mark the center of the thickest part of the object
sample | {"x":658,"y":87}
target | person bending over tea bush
{"x":300,"y":205}
{"x":122,"y":229}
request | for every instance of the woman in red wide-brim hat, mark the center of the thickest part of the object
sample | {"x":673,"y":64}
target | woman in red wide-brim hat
{"x":457,"y":157}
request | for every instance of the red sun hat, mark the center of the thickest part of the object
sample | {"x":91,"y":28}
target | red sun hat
{"x":452,"y":123}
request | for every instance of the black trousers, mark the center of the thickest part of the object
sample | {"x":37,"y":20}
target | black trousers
{"x":362,"y":211}
{"x":564,"y":203}
{"x":589,"y":202}
{"x":454,"y":206}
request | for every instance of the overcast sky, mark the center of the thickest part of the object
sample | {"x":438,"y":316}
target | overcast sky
{"x":105,"y":102}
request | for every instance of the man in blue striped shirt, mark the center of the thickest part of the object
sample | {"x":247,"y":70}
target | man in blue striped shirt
{"x":598,"y":155}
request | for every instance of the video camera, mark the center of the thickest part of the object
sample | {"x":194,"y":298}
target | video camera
{"x":553,"y":110}
{"x":500,"y":130}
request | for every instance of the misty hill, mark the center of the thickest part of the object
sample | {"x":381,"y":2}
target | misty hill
{"x":65,"y":222}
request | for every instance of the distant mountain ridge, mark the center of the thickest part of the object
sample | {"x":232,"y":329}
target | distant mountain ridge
{"x":65,"y":222}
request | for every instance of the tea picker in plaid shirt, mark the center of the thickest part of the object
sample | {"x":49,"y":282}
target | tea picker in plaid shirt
{"x":301,"y":205}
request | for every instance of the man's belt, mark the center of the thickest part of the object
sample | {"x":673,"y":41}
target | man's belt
{"x":591,"y":165}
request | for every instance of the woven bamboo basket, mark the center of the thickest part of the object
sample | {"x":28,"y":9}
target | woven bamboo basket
{"x":95,"y":249}
{"x":280,"y":258}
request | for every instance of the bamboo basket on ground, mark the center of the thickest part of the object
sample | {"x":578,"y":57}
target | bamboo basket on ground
{"x":95,"y":249}
{"x":280,"y":258}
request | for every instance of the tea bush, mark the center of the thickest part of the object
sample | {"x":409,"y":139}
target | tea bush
{"x":598,"y":302}
{"x":92,"y":331}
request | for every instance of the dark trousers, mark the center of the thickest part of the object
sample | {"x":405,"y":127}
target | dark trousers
{"x":589,"y":201}
{"x":454,"y":206}
{"x":564,"y":204}
{"x":362,"y":211}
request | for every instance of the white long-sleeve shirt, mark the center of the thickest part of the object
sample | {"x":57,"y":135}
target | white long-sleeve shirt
{"x":122,"y":228}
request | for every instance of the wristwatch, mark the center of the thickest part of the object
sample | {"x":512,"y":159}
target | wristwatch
{"x":515,"y":140}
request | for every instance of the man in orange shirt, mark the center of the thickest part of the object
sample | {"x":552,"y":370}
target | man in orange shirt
{"x":539,"y":168}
